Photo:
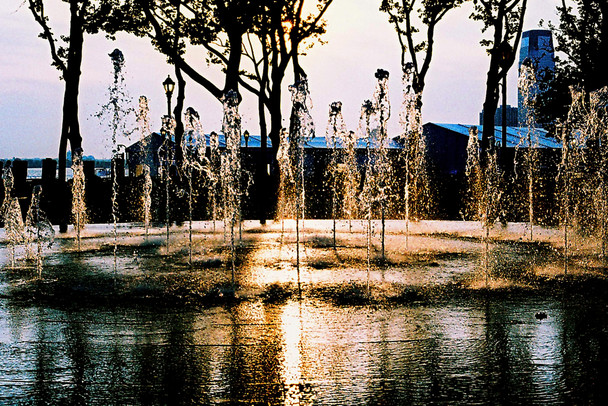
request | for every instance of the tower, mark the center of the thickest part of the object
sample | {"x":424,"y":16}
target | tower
{"x":536,"y":49}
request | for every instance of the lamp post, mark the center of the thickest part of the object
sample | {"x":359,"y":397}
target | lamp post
{"x":169,"y":85}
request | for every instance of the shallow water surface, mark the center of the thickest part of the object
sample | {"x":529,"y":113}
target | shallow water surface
{"x":467,"y":351}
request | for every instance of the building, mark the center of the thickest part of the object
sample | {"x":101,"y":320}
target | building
{"x":536,"y":49}
{"x":447,"y":144}
{"x":512,"y":116}
{"x":147,"y":151}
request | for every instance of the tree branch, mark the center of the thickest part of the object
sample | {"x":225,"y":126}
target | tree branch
{"x":37,"y":9}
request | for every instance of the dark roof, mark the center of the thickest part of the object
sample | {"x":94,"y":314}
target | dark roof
{"x":515,"y":135}
{"x":256,"y":142}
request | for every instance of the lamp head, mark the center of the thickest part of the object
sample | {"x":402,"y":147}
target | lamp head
{"x":168,"y":85}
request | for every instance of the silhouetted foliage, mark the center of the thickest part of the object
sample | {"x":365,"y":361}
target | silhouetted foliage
{"x":582,"y":37}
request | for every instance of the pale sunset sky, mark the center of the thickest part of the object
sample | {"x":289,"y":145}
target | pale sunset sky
{"x":359,"y":41}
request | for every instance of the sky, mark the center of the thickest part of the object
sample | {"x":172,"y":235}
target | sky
{"x":359,"y":41}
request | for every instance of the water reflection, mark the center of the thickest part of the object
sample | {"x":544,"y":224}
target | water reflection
{"x":471,"y":351}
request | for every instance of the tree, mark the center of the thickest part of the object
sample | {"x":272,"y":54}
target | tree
{"x":217,"y":25}
{"x":86,"y":17}
{"x":281,"y":34}
{"x":402,"y":14}
{"x":582,"y":36}
{"x":505,"y":18}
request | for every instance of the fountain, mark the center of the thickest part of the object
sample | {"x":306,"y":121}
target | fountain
{"x":116,"y":113}
{"x":330,"y":341}
{"x":413,"y":152}
{"x":336,"y":131}
{"x":472,"y":207}
{"x":351,"y":177}
{"x":301,"y":130}
{"x":367,"y":194}
{"x":38,"y":228}
{"x":166,"y":159}
{"x":79,"y":209}
{"x":490,"y":204}
{"x":286,"y":197}
{"x":382,"y":165}
{"x":193,"y":147}
{"x":11,"y":213}
{"x":143,"y":126}
{"x":214,"y":173}
{"x":529,"y":140}
{"x":378,"y":171}
{"x":231,"y":127}
{"x":483,"y":193}
{"x":582,"y":172}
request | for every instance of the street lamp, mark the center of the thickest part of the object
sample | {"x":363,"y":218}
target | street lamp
{"x":169,"y":85}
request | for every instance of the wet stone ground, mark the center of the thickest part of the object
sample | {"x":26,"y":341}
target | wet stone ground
{"x":428,"y":328}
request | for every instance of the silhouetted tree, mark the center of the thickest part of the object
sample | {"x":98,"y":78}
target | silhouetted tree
{"x":404,"y":15}
{"x":282,"y":33}
{"x":505,"y":18}
{"x":582,"y":36}
{"x":86,"y":17}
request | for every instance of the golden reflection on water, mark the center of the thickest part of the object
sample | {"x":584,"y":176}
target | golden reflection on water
{"x":291,"y":328}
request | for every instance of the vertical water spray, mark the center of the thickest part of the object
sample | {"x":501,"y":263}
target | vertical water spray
{"x":563,"y":178}
{"x":583,"y":172}
{"x":529,"y":141}
{"x":367,"y":109}
{"x":166,"y":159}
{"x":286,"y":198}
{"x":38,"y":227}
{"x":382,"y":167}
{"x":79,"y":209}
{"x":413,"y":152}
{"x":473,"y":172}
{"x":352,"y":177}
{"x":483,"y":192}
{"x":490,"y":204}
{"x":336,"y":130}
{"x":231,"y":127}
{"x":301,"y":129}
{"x":11,"y":212}
{"x":143,"y":125}
{"x":214,"y":173}
{"x":116,"y":113}
{"x":193,"y":147}
{"x":598,"y":101}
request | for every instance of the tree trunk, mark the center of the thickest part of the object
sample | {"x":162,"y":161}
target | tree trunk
{"x":262,"y":176}
{"x":70,"y":128}
{"x":489,"y":110}
{"x":235,"y":38}
{"x":178,"y":112}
